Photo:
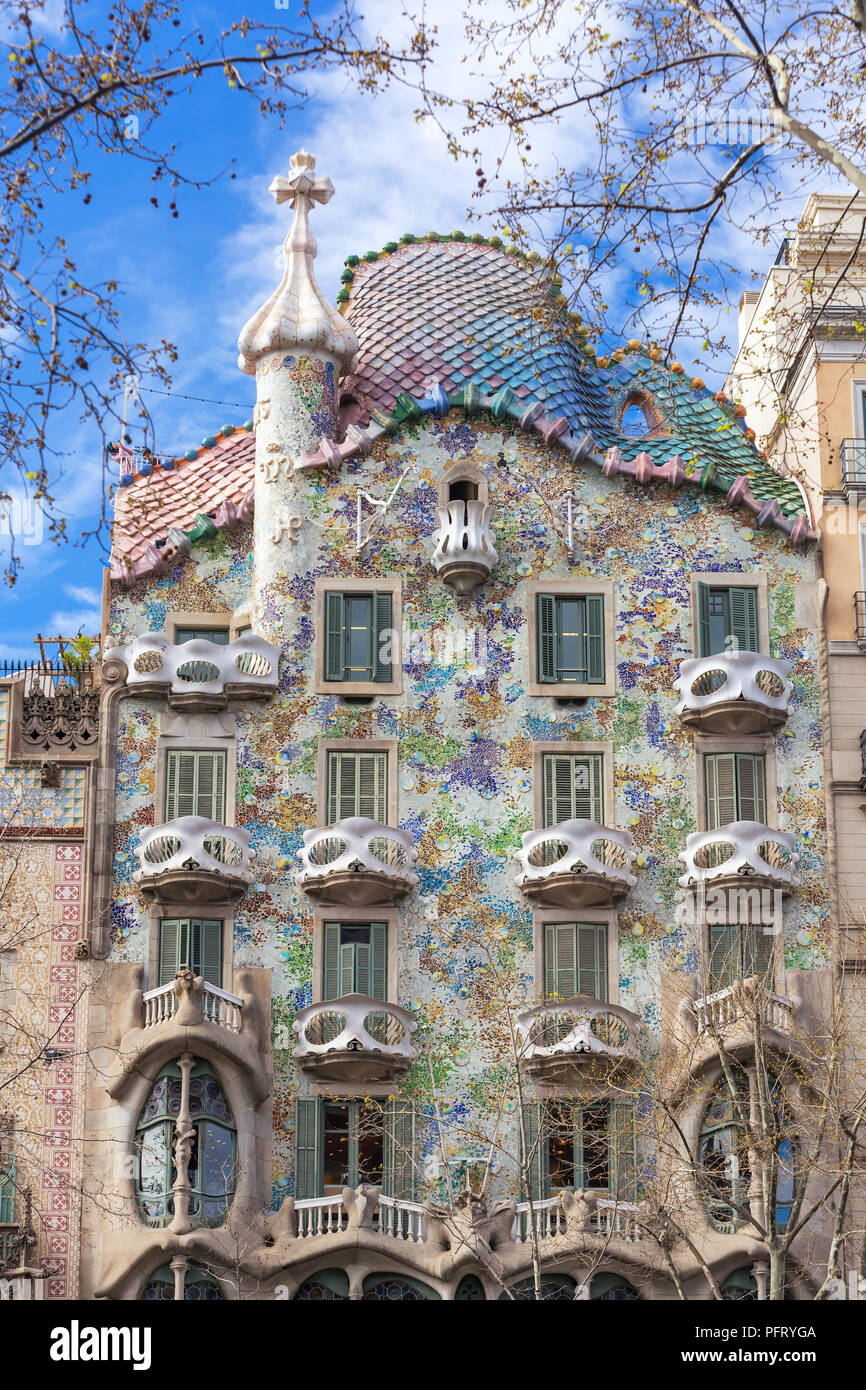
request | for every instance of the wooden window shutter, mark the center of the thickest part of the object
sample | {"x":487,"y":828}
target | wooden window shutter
{"x":560,"y":960}
{"x":348,"y":962}
{"x":723,"y":955}
{"x":744,"y":618}
{"x":595,"y":639}
{"x":398,"y":1167}
{"x":720,"y":780}
{"x":756,"y":947}
{"x":331,"y":960}
{"x":308,"y":1148}
{"x":335,"y":636}
{"x":563,"y":799}
{"x":372,"y":783}
{"x":208,"y":950}
{"x":7,"y":1190}
{"x":592,"y":960}
{"x":623,"y":1134}
{"x":751,"y":787}
{"x":378,"y":988}
{"x":195,"y":785}
{"x":172,"y":938}
{"x":704,"y":621}
{"x":536,"y":1157}
{"x":383,"y":646}
{"x":546,"y":637}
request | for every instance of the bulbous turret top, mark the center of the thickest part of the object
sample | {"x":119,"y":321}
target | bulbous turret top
{"x":298,"y":317}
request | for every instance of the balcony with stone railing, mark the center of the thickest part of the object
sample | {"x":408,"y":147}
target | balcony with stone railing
{"x":194,"y":860}
{"x":734,"y":693}
{"x":576,"y":864}
{"x":742,"y":855}
{"x":559,"y":1039}
{"x":741,"y":1002}
{"x":354,"y":1039}
{"x":210,"y":1003}
{"x":199,"y":674}
{"x":569,"y":1213}
{"x":465,"y":553}
{"x":357,"y":862}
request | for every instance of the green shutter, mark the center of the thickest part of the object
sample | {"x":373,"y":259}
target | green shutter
{"x":536,"y":1158}
{"x":736,"y":952}
{"x":756,"y":947}
{"x":623,"y":1140}
{"x":744,"y":618}
{"x":357,"y":786}
{"x":704,"y":621}
{"x":560,"y":960}
{"x":592,"y":960}
{"x":398,"y":1175}
{"x":172,"y":936}
{"x":546,"y":637}
{"x":563,"y":800}
{"x":723,"y":955}
{"x":347,"y":969}
{"x":308,"y":1148}
{"x":331,"y":961}
{"x":751,"y":787}
{"x":720,"y":780}
{"x":335,"y":637}
{"x":195,"y":785}
{"x":595,"y":639}
{"x":378,"y":960}
{"x":208,"y":957}
{"x":381,"y":667}
{"x":7,"y":1191}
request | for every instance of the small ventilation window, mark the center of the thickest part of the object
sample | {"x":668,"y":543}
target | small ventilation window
{"x":462,"y":490}
{"x":634,"y":422}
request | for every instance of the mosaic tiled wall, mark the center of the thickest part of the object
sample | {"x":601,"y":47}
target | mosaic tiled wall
{"x":465,"y":732}
{"x":41,"y":904}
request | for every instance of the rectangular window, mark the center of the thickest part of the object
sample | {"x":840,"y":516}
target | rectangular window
{"x":572,"y":786}
{"x":346,"y":1143}
{"x":735,"y":785}
{"x":192,"y":941}
{"x":358,"y":637}
{"x":220,"y":635}
{"x":575,"y":959}
{"x":570,"y":639}
{"x":727,"y":619}
{"x":195,"y":785}
{"x":7,"y":1190}
{"x":355,"y":959}
{"x":591,"y":1145}
{"x":357,"y":785}
{"x":738,"y":951}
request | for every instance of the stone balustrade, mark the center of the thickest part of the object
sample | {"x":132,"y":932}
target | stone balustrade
{"x":744,"y":852}
{"x":195,"y":860}
{"x":355,"y":1038}
{"x":577,"y":863}
{"x":199,"y":674}
{"x":465,"y":553}
{"x":218,"y":1006}
{"x":739,"y":1003}
{"x":734,"y":692}
{"x":357,"y":861}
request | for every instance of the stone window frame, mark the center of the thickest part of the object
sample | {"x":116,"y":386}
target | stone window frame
{"x":744,"y":743}
{"x":578,"y":588}
{"x":733,"y":579}
{"x":358,"y":689}
{"x":176,"y":618}
{"x":541,"y":916}
{"x":463,"y":470}
{"x":391,"y":746}
{"x":196,"y":733}
{"x":603,"y":747}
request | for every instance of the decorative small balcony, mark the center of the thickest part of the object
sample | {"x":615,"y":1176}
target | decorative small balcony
{"x":465,"y":553}
{"x":214,"y":1006}
{"x":193,"y":860}
{"x":355,"y":1039}
{"x":199,"y":675}
{"x":853,"y":454}
{"x":558,"y":1038}
{"x":739,"y":1003}
{"x":744,"y":854}
{"x":577,"y":863}
{"x":390,"y":1216}
{"x":602,"y":1216}
{"x":734,"y":693}
{"x":357,"y":862}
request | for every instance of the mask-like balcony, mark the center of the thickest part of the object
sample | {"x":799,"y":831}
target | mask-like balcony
{"x":465,"y":553}
{"x":734,"y":693}
{"x":193,"y":860}
{"x":215,"y":1005}
{"x":357,"y":862}
{"x":199,"y":675}
{"x":742,"y":855}
{"x":558,"y":1039}
{"x":577,"y":863}
{"x":355,"y":1039}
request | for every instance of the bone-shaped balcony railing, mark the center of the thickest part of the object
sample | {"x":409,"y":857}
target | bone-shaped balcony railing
{"x":190,"y":843}
{"x":580,"y":1027}
{"x":742,"y":1001}
{"x":711,"y":681}
{"x":463,"y":539}
{"x":357,"y":1024}
{"x":199,"y":667}
{"x":610,"y":1219}
{"x":577,"y":848}
{"x":357,"y":845}
{"x":745,"y":848}
{"x":217,"y":1006}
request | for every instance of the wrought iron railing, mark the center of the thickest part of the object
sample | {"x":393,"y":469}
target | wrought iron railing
{"x":854,"y":463}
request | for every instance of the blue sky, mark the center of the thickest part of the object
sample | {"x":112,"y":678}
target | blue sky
{"x":195,"y":280}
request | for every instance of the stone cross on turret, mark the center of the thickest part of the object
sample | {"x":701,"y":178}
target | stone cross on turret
{"x":296,"y":345}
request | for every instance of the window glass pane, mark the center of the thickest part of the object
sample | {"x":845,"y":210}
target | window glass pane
{"x":370,"y":1146}
{"x":336,"y":1149}
{"x":358,"y":639}
{"x":595,"y":1126}
{"x":719,"y":619}
{"x":220,"y":635}
{"x":572,"y":639}
{"x":560,"y":1147}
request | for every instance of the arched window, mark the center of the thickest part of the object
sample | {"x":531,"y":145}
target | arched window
{"x":396,"y":1288}
{"x":213,"y":1160}
{"x":633,"y":422}
{"x":612,"y":1288}
{"x":555,"y":1288}
{"x":739,"y":1285}
{"x":723,"y":1155}
{"x":198,"y":1286}
{"x":470,"y":1287}
{"x":327,"y":1286}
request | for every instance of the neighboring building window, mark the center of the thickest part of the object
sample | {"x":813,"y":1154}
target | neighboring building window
{"x":192,"y":941}
{"x":572,"y":787}
{"x":575,"y":959}
{"x":213,"y":1163}
{"x":219,"y":635}
{"x":573,"y":1146}
{"x":358,"y":636}
{"x":736,"y":788}
{"x":738,"y":951}
{"x":7,"y":1189}
{"x":727,"y":619}
{"x":357,"y":785}
{"x":570,"y":639}
{"x":355,"y":959}
{"x":195,"y":785}
{"x":339,"y":1144}
{"x":198,"y":1286}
